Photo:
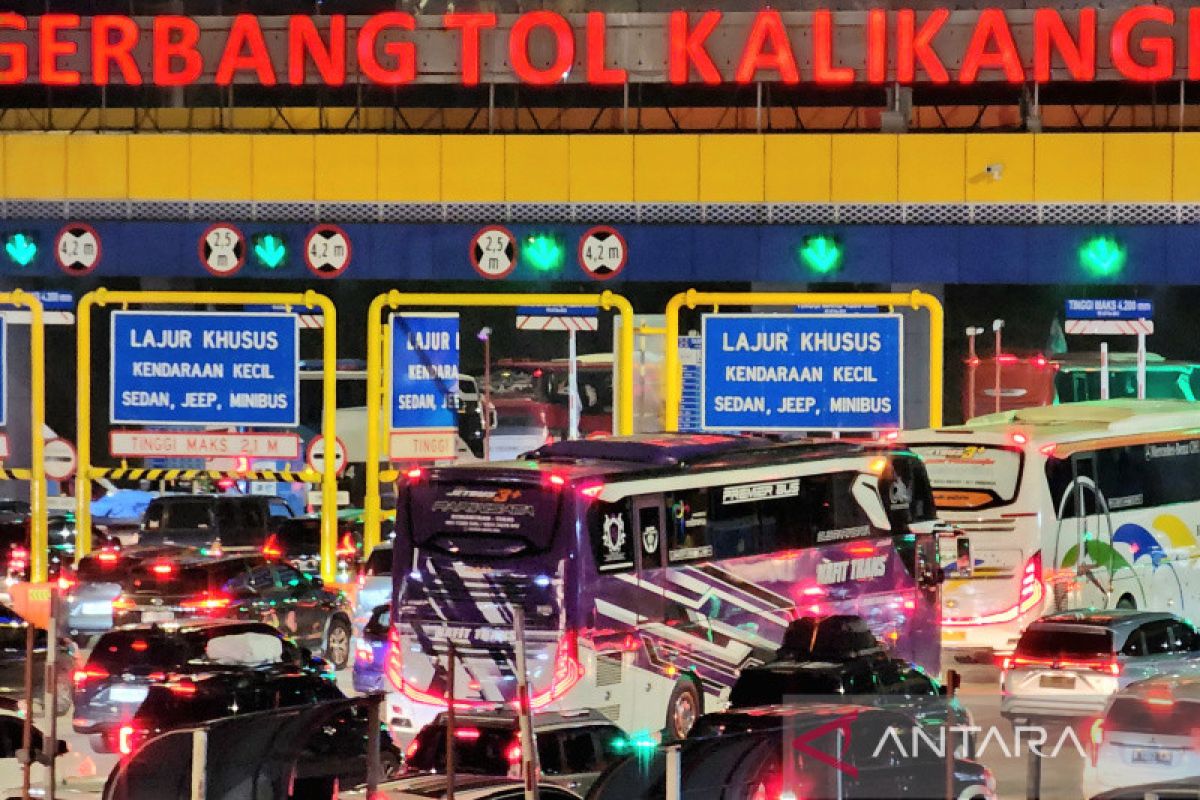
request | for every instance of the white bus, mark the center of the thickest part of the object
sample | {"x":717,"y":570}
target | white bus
{"x":1081,"y":505}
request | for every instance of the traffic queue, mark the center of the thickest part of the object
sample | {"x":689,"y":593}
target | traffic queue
{"x":676,"y":608}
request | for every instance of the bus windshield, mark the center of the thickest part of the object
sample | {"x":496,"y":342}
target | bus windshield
{"x":476,"y":521}
{"x":971,"y":476}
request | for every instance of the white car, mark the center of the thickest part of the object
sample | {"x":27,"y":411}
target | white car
{"x":1149,"y":734}
{"x":1067,"y":665}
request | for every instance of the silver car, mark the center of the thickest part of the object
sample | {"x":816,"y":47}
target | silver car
{"x":1067,"y":665}
{"x":374,"y":585}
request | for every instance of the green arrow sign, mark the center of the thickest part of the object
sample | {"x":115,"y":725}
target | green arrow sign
{"x":270,"y":250}
{"x":1103,"y":256}
{"x":21,"y":249}
{"x":822,"y":254}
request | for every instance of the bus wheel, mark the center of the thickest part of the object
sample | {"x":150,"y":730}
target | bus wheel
{"x":682,"y":709}
{"x":1127,"y":601}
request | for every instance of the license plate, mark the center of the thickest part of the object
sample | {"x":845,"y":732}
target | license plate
{"x":158,"y":616}
{"x":127,"y":694}
{"x":1153,"y":756}
{"x":95,"y":609}
{"x":1056,"y":682}
{"x":954,"y":636}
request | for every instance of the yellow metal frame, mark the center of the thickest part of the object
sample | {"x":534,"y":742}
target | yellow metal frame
{"x":692,"y":298}
{"x":39,"y":546}
{"x":376,"y":375}
{"x":83,"y":354}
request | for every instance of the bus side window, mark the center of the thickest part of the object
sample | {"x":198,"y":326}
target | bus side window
{"x":691,"y":534}
{"x":1063,"y":495}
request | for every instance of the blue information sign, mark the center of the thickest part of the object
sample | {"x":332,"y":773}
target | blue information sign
{"x":209,"y":368}
{"x":787,"y":372}
{"x":1103,"y":308}
{"x":424,"y":379}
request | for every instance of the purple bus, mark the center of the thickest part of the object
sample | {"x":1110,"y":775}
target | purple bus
{"x":651,"y":570}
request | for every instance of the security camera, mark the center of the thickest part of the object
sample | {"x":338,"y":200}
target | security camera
{"x":994,"y":171}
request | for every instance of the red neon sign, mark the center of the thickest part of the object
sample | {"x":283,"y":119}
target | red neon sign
{"x":1142,"y":43}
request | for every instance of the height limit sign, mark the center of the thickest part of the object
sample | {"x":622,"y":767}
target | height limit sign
{"x":494,"y":252}
{"x":602,"y":252}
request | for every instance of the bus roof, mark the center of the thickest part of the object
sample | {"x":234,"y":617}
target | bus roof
{"x":1071,"y":422}
{"x":643,"y":454}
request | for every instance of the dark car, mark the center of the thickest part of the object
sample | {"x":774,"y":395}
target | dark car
{"x":298,"y":542}
{"x":740,"y":755}
{"x":573,"y":748}
{"x":218,"y":693}
{"x":370,"y":652}
{"x":230,"y":523}
{"x":98,"y":578}
{"x":239,"y":587}
{"x":12,"y":663}
{"x":126,"y":663}
{"x":60,"y":537}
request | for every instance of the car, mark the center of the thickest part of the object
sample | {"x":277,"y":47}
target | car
{"x":374,"y":584}
{"x":466,"y":787}
{"x":239,"y":587}
{"x":12,"y":737}
{"x":231,"y":523}
{"x":468,"y":402}
{"x":12,"y":664}
{"x":97,"y":583}
{"x":865,"y":752}
{"x":573,"y":748}
{"x":1184,"y":789}
{"x":370,"y":651}
{"x":127,"y":662}
{"x":1066,"y":665}
{"x":60,"y":534}
{"x":1147,"y":734}
{"x":298,"y":542}
{"x":814,"y":662}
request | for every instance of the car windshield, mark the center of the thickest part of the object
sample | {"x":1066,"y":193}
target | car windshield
{"x":301,"y":536}
{"x":380,"y":561}
{"x":480,"y":750}
{"x":123,"y":651}
{"x":165,"y":577}
{"x":1152,"y":714}
{"x":1060,"y":642}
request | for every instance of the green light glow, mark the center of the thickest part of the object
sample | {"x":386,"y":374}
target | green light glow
{"x":270,"y":250}
{"x":1102,"y":256}
{"x":21,"y":248}
{"x":544,"y":252}
{"x":820,"y":253}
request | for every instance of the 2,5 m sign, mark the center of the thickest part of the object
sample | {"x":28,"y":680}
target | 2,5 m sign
{"x":204,"y":368}
{"x":798,"y":372}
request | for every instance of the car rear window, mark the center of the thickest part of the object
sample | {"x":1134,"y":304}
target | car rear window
{"x":301,"y":536}
{"x":1162,"y":716}
{"x":479,"y":750}
{"x":166,"y":577}
{"x":123,"y":651}
{"x":1060,"y":642}
{"x":187,"y":516}
{"x":380,"y":561}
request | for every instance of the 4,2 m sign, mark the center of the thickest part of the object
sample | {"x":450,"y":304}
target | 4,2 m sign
{"x":204,"y":368}
{"x":797,"y":372}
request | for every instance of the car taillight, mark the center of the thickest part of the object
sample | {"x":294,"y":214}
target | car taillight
{"x":207,"y":602}
{"x":182,"y":687}
{"x":122,"y":603}
{"x":125,"y":740}
{"x":415,"y":474}
{"x":467,"y":734}
{"x":271,"y":548}
{"x":107,"y":557}
{"x":346,"y":547}
{"x":410,"y":752}
{"x":91,"y":672}
{"x":162,"y":570}
{"x":512,"y":754}
{"x":1110,"y":666}
{"x":65,"y":583}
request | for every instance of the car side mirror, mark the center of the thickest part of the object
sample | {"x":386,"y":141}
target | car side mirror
{"x":317,"y":582}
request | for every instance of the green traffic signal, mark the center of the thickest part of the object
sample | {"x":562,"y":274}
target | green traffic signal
{"x":545,"y":252}
{"x":269,"y":250}
{"x":820,"y":253}
{"x":1102,"y":256}
{"x":21,"y":249}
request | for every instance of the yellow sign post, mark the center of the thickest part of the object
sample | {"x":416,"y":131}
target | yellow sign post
{"x":86,"y":472}
{"x":39,"y":546}
{"x":376,"y":373}
{"x":692,"y":298}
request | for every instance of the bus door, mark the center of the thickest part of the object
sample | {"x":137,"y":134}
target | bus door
{"x":650,"y":561}
{"x":1083,"y":518}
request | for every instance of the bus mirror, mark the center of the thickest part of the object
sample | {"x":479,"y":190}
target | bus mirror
{"x":866,"y":492}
